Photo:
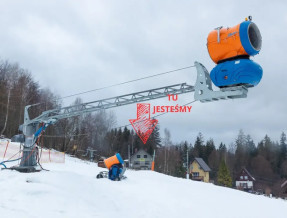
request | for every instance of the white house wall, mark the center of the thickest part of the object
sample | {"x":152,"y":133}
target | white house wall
{"x":249,"y":183}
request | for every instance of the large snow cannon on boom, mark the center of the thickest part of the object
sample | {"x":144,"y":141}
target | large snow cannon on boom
{"x":230,"y":49}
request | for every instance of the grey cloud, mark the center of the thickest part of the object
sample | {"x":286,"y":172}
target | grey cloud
{"x":74,"y":46}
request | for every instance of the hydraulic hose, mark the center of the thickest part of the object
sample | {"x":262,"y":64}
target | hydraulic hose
{"x":6,"y":161}
{"x":3,"y":165}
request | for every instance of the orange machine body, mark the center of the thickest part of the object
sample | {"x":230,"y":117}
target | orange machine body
{"x":111,"y":161}
{"x":116,"y":159}
{"x":226,"y":46}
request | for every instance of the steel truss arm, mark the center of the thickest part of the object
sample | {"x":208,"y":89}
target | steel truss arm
{"x":52,"y":116}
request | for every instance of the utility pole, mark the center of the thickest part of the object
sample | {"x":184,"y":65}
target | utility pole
{"x":129,"y":154}
{"x":187,"y":173}
{"x":132,"y":144}
{"x":164,"y":169}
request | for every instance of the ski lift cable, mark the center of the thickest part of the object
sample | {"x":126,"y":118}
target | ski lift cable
{"x":122,"y":83}
{"x":114,"y":85}
{"x":63,"y":136}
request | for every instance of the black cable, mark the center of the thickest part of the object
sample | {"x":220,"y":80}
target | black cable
{"x":117,"y":84}
{"x":63,"y":136}
{"x":39,"y":157}
{"x":41,"y":166}
{"x":122,"y":83}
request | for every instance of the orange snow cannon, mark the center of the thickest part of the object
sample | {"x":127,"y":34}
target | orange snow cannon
{"x":230,"y":49}
{"x":241,"y":40}
{"x":116,"y":159}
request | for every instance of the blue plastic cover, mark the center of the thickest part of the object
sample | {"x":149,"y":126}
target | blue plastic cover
{"x":244,"y":38}
{"x":115,"y":171}
{"x":120,"y":158}
{"x":240,"y":71}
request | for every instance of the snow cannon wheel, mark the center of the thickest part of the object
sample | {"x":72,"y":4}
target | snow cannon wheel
{"x":100,"y":176}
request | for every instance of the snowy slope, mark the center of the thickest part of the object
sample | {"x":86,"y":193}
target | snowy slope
{"x":72,"y":190}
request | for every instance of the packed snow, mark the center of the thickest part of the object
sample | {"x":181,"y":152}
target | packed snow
{"x":72,"y":190}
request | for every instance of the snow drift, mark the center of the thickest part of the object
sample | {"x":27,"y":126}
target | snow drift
{"x":72,"y":190}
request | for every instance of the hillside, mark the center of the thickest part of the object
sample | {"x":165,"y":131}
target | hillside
{"x":72,"y":190}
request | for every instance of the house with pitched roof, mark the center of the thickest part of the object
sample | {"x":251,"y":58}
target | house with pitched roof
{"x":199,"y":170}
{"x":244,"y":181}
{"x":141,"y":160}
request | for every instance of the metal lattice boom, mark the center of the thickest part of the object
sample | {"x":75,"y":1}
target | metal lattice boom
{"x":75,"y":110}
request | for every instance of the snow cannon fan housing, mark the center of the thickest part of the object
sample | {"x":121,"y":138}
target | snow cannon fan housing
{"x":230,"y":49}
{"x":116,"y":159}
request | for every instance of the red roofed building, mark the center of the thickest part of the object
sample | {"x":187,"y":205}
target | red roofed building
{"x":244,"y":180}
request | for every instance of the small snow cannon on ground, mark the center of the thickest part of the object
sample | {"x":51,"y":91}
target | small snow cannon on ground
{"x":230,"y":49}
{"x":116,"y":168}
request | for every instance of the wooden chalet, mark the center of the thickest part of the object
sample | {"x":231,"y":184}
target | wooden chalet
{"x":245,"y":181}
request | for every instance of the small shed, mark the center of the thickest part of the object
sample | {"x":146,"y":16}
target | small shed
{"x":101,"y":162}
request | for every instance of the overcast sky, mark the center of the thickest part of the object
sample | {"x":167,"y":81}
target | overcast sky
{"x":75,"y":46}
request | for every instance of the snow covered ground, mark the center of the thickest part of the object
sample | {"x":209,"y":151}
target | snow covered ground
{"x":72,"y":190}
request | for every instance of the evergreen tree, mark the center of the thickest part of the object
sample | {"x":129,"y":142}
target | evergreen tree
{"x":240,"y":142}
{"x":209,"y":148}
{"x":126,"y":134}
{"x":156,"y":137}
{"x":250,"y":146}
{"x":222,"y":147}
{"x":282,"y":156}
{"x":267,"y":147}
{"x":260,"y":148}
{"x":241,"y":155}
{"x":222,"y":151}
{"x":224,"y":177}
{"x":198,"y":150}
{"x":283,"y":147}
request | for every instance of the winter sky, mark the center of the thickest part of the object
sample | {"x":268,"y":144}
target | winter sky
{"x":75,"y":46}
